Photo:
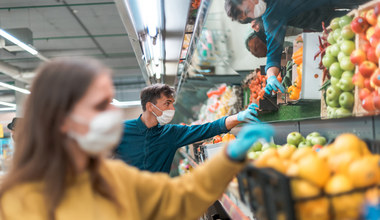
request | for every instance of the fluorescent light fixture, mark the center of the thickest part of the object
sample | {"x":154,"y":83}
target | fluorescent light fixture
{"x":7,"y":104}
{"x":18,"y":89}
{"x":126,"y":103}
{"x":7,"y":109}
{"x":18,"y":42}
{"x":149,"y":12}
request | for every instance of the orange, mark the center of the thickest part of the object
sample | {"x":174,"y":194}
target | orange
{"x":347,"y":206}
{"x":363,"y":172}
{"x":276,"y":163}
{"x":339,"y":163}
{"x":301,"y":152}
{"x":365,"y":149}
{"x":292,"y":170}
{"x":325,"y":152}
{"x":261,"y":161}
{"x":303,"y":189}
{"x":286,"y":151}
{"x":338,"y":184}
{"x":317,"y":209}
{"x":314,"y":169}
{"x":347,"y":142}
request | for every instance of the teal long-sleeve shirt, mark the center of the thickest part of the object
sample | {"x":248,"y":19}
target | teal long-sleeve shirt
{"x":153,"y":148}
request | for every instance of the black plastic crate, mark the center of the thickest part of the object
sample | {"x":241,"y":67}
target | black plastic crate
{"x":268,"y":193}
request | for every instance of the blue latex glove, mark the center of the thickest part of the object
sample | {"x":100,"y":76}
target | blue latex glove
{"x":273,"y":84}
{"x":248,"y":135}
{"x":248,"y":114}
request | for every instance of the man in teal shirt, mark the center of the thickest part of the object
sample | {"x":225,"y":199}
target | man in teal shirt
{"x":150,"y":143}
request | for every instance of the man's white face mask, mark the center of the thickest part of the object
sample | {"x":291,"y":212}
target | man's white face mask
{"x":259,"y":9}
{"x":252,"y":10}
{"x":166,"y":117}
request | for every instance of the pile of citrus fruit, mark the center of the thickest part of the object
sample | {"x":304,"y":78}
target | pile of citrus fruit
{"x":327,"y":184}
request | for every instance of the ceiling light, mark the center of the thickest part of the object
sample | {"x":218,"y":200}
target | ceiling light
{"x":7,"y":109}
{"x":18,"y":42}
{"x":7,"y":104}
{"x":127,"y":103}
{"x":18,"y":89}
{"x":149,"y":10}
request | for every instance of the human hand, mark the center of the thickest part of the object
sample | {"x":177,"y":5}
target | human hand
{"x":250,"y":133}
{"x":273,"y":85}
{"x":248,"y":114}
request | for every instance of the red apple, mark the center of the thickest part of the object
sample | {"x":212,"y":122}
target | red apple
{"x":366,"y":68}
{"x":375,"y":78}
{"x":367,"y":84}
{"x":371,"y":55}
{"x":369,"y":33}
{"x":374,"y":40}
{"x":371,"y":17}
{"x":358,"y":80}
{"x":377,"y":51}
{"x":363,"y":93}
{"x":365,"y":45}
{"x":358,"y":56}
{"x":359,"y":25}
{"x":376,"y":101}
{"x":377,"y":31}
{"x":368,"y":104}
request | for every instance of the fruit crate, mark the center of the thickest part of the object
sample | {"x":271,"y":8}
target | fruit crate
{"x":269,"y":196}
{"x":359,"y":43}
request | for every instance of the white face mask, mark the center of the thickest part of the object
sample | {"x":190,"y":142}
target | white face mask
{"x":259,"y":9}
{"x":166,"y":116}
{"x":105,"y":131}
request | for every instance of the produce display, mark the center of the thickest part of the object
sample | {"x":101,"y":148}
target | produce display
{"x":339,"y":89}
{"x":223,"y":101}
{"x":366,"y":57}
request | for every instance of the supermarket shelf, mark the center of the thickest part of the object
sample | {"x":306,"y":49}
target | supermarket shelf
{"x":188,"y":157}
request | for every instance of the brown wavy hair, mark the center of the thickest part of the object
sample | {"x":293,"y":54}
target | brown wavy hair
{"x":41,"y":152}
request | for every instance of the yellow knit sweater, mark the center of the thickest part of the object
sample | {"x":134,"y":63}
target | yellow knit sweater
{"x":142,"y":195}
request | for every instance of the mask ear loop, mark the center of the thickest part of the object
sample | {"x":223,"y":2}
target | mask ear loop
{"x":156,"y":108}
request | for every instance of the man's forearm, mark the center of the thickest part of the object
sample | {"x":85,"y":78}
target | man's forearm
{"x":231,"y":122}
{"x":273,"y":71}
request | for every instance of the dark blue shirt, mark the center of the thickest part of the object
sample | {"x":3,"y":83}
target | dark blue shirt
{"x":297,"y":13}
{"x":153,"y":148}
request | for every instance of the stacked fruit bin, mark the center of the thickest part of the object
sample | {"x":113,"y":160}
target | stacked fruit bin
{"x":330,"y":182}
{"x":366,"y":25}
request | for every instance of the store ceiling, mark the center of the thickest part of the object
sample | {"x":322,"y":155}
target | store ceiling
{"x":72,"y":28}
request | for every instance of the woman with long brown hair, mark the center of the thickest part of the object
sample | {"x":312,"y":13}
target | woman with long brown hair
{"x":59,"y":169}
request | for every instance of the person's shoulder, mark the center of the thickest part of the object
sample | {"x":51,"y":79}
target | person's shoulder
{"x":30,"y":193}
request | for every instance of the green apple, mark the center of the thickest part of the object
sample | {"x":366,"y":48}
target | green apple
{"x":303,"y":144}
{"x":311,"y":135}
{"x":335,"y":49}
{"x":347,"y":47}
{"x":251,"y":155}
{"x":278,"y":146}
{"x":330,"y":112}
{"x":334,"y":24}
{"x":332,"y":102}
{"x":346,"y":64}
{"x":342,"y":112}
{"x":336,"y":34}
{"x":335,"y":70}
{"x":334,"y":81}
{"x":258,"y":154}
{"x":346,"y":84}
{"x":341,"y":55}
{"x":347,"y":74}
{"x":346,"y":100}
{"x":318,"y":140}
{"x":257,"y":146}
{"x":266,"y":146}
{"x":347,"y":32}
{"x":327,"y":60}
{"x":331,"y":39}
{"x":333,"y":93}
{"x":294,"y":138}
{"x":328,"y":50}
{"x":344,"y":20}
